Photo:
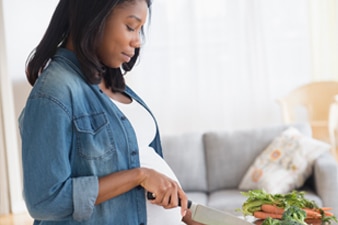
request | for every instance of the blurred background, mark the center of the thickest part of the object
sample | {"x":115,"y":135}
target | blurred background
{"x":205,"y":65}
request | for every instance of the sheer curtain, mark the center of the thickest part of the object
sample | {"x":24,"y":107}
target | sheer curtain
{"x":324,"y":41}
{"x":220,"y":64}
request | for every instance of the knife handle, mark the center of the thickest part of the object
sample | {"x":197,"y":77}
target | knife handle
{"x":150,"y":196}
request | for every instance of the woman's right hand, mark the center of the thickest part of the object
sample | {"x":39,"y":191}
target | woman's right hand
{"x":167,"y":192}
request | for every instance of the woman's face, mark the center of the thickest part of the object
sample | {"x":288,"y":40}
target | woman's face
{"x":122,"y":32}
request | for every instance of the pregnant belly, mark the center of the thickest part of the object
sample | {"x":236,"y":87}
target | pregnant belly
{"x":157,"y":214}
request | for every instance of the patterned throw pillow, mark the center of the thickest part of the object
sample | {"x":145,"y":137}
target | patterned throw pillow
{"x":285,"y":164}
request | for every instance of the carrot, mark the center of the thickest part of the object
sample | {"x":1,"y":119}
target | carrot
{"x":327,"y":213}
{"x":264,"y":215}
{"x":272,"y":209}
{"x":310,"y":213}
{"x":326,"y":208}
{"x":322,"y":209}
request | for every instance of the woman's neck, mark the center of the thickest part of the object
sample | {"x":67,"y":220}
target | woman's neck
{"x":117,"y":96}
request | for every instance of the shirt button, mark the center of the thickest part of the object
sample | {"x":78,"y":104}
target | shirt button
{"x":134,"y":153}
{"x":141,"y":223}
{"x":123,"y":118}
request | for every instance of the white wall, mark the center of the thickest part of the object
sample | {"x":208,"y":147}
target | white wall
{"x":25,"y":23}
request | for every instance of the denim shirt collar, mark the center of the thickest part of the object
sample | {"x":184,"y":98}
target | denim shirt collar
{"x":68,"y":54}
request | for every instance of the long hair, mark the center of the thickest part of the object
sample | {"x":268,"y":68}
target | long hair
{"x":85,"y":21}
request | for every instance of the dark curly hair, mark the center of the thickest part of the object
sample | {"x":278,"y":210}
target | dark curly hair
{"x":85,"y":19}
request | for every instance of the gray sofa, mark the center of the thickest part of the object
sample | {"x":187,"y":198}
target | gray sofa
{"x":211,"y":165}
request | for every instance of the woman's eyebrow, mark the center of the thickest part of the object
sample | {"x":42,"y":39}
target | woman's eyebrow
{"x":135,"y":17}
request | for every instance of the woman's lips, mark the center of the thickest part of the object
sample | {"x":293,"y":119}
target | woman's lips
{"x":127,"y":57}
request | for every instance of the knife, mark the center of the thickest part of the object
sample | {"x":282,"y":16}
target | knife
{"x":209,"y":216}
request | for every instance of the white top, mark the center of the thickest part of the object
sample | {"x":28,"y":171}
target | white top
{"x":145,"y":130}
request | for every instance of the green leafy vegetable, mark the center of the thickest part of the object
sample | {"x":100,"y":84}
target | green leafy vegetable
{"x":256,"y":198}
{"x":294,"y":213}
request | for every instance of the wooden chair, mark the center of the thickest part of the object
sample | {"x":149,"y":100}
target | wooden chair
{"x":333,"y":126}
{"x":314,"y":99}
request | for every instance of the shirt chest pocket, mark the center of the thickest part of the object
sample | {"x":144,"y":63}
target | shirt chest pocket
{"x":94,"y":139}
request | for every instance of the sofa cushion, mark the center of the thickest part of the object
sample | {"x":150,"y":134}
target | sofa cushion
{"x":229,"y":200}
{"x":229,"y":154}
{"x":185,"y":155}
{"x":326,"y":180}
{"x":285,"y":164}
{"x":198,"y":197}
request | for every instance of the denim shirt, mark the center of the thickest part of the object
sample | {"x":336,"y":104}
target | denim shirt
{"x":72,"y":134}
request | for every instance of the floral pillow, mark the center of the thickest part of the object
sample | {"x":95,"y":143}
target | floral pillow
{"x":285,"y":164}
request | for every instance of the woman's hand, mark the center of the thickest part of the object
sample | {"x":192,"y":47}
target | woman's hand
{"x":167,"y":192}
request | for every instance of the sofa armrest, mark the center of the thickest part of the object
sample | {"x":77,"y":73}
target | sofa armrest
{"x":326,"y":180}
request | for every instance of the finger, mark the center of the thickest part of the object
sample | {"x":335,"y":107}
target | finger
{"x":174,"y":196}
{"x":184,"y":201}
{"x":168,"y":199}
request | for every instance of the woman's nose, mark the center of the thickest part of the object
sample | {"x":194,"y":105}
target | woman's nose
{"x":137,"y":40}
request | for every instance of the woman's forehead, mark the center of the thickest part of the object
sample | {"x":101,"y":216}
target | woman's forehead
{"x":132,"y":9}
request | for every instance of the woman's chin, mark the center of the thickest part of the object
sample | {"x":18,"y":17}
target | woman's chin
{"x":113,"y":66}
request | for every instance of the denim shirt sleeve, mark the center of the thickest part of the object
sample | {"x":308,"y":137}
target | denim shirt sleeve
{"x":50,"y":191}
{"x":83,"y":206}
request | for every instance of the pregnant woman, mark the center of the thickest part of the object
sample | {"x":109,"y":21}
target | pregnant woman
{"x":90,"y":146}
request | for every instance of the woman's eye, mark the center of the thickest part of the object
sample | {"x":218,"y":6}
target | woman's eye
{"x":130,"y":29}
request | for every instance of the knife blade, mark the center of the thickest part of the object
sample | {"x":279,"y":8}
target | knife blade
{"x":210,"y":216}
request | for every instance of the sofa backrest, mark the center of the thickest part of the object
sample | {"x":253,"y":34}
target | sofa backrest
{"x":218,"y":160}
{"x":185,"y":155}
{"x":229,"y":154}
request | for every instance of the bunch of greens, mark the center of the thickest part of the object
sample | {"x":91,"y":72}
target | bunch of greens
{"x":256,"y":198}
{"x":292,"y":202}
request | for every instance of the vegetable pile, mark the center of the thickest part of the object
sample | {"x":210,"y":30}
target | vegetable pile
{"x":285,"y":209}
